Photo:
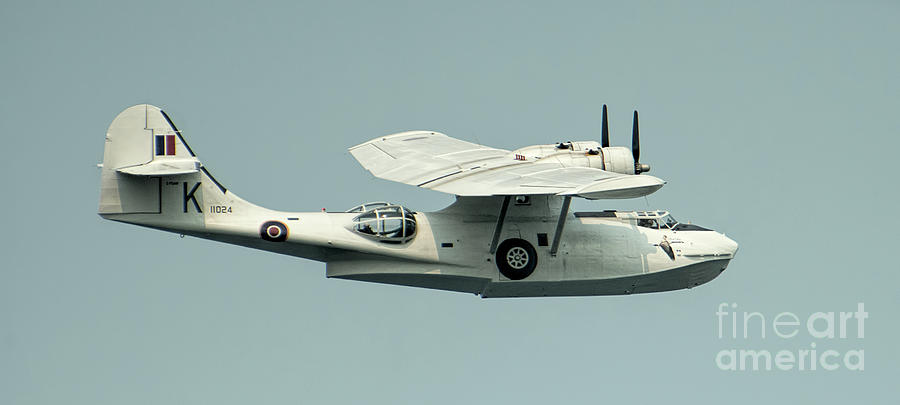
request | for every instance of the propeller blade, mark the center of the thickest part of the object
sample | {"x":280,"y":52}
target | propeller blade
{"x":604,"y":131}
{"x":635,"y":139}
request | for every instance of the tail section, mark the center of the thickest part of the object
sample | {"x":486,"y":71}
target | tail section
{"x":150,"y":176}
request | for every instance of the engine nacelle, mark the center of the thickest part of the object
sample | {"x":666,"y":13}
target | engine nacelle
{"x":618,"y":159}
{"x":615,"y":159}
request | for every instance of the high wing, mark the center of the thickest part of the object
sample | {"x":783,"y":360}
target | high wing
{"x":436,"y":161}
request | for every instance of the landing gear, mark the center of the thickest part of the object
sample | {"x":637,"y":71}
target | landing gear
{"x":516,"y":259}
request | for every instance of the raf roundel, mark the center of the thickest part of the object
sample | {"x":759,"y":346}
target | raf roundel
{"x":273,"y":231}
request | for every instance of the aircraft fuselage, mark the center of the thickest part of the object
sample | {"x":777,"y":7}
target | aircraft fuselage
{"x":599,"y":253}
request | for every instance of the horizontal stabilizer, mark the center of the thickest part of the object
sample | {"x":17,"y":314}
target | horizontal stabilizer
{"x":160,"y":167}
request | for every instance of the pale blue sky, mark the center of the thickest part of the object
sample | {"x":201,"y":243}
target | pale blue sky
{"x":773,"y":122}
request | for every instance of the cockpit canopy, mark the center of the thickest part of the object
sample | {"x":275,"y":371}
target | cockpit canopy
{"x":656,"y":219}
{"x":385,"y":222}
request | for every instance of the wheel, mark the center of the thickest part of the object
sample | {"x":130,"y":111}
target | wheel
{"x":516,"y":259}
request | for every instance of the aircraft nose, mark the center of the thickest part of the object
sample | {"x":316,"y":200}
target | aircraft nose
{"x":729,"y":245}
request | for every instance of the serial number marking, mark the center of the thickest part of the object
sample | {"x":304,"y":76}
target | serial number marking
{"x":220,"y":209}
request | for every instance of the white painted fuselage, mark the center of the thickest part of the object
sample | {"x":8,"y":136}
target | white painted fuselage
{"x":599,"y":253}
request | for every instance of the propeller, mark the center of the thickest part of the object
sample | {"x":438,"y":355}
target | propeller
{"x":604,"y":131}
{"x":636,"y":147}
{"x":635,"y":142}
{"x":635,"y":139}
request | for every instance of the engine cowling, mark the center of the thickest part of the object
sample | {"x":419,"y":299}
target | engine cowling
{"x":618,"y":159}
{"x":615,"y":159}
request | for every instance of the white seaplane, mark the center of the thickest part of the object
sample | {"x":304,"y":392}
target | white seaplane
{"x":509,"y":233}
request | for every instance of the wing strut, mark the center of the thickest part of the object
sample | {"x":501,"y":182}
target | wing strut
{"x":560,"y":224}
{"x":499,"y":227}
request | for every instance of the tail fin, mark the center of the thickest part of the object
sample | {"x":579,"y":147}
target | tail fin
{"x":150,"y":175}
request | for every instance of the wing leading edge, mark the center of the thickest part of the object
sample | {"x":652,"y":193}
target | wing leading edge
{"x":436,"y":161}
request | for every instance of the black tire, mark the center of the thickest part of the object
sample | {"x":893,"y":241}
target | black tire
{"x":516,"y":259}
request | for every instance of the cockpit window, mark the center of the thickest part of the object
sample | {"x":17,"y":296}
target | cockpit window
{"x":669,"y":221}
{"x":664,"y":222}
{"x":387,"y":223}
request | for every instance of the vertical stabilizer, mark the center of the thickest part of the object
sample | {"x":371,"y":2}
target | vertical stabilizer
{"x":150,"y":176}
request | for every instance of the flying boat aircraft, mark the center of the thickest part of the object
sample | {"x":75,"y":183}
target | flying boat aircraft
{"x":510,"y":232}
